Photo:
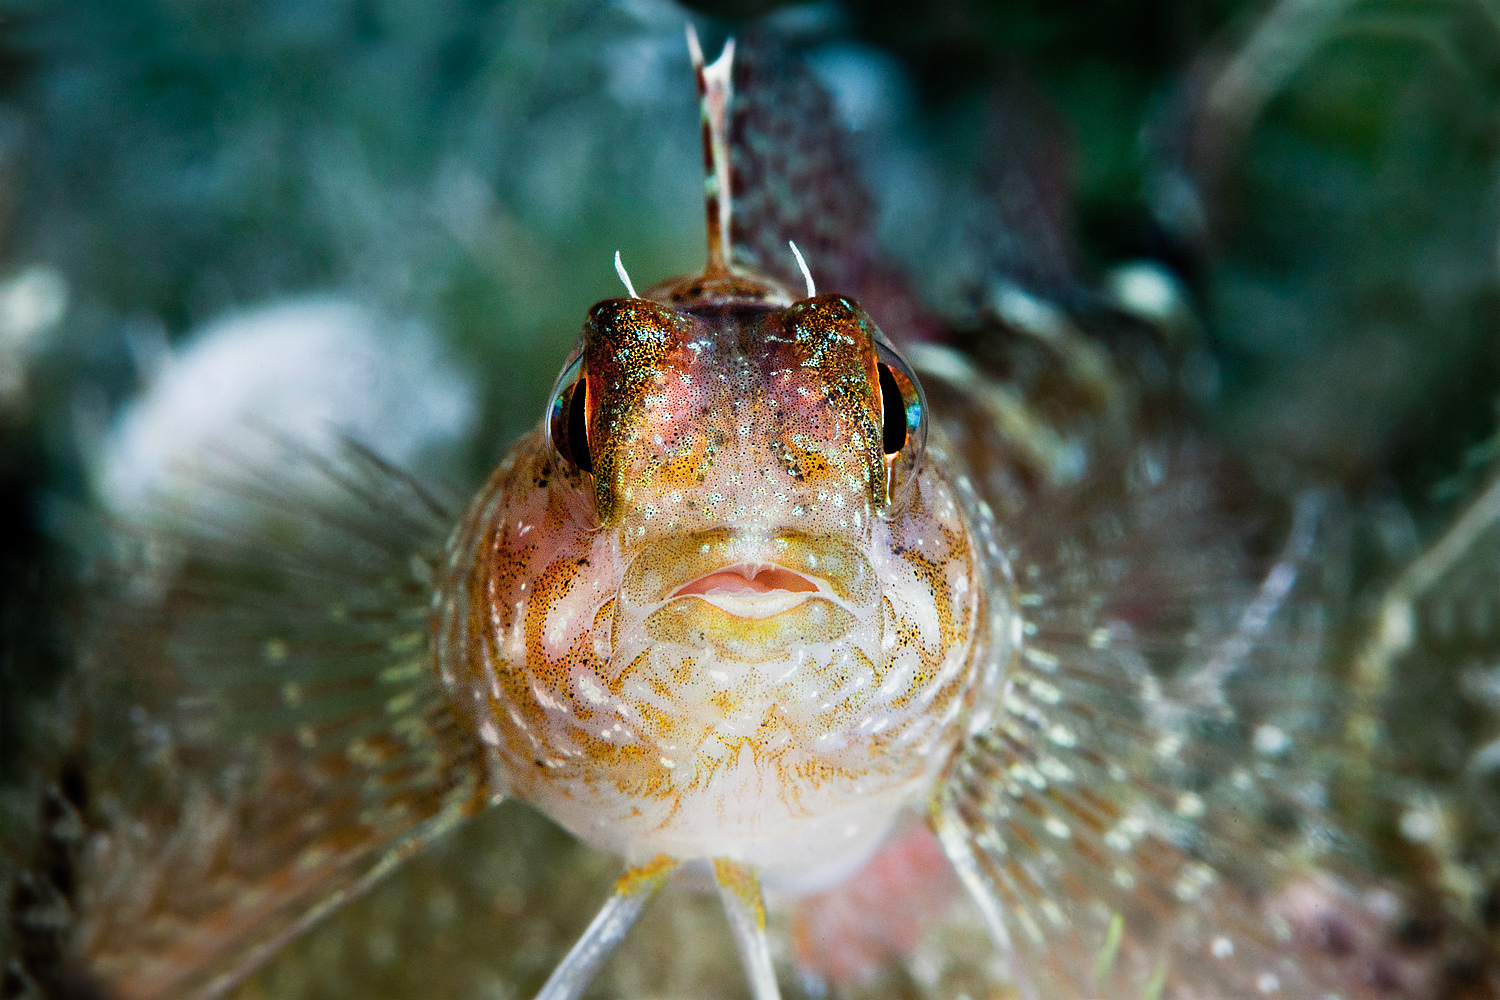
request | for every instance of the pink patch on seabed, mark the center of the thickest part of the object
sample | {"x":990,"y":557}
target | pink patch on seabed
{"x":877,"y":916}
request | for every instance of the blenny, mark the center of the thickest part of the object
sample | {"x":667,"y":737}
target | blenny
{"x":778,"y":573}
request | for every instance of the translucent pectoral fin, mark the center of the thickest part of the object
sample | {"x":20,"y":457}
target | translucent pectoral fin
{"x":1101,"y":876}
{"x":268,"y":736}
{"x":1432,"y":648}
{"x":739,"y":888}
{"x":614,"y":920}
{"x":1144,"y":816}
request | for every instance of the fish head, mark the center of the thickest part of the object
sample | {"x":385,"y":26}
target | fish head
{"x":748,"y":414}
{"x":721,"y":604}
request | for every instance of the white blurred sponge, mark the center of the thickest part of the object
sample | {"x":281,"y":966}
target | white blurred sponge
{"x":311,"y":371}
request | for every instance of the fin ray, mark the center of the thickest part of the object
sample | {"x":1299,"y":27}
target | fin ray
{"x":739,"y":889}
{"x":607,"y":930}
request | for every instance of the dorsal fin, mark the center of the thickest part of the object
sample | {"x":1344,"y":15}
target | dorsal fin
{"x":715,"y":91}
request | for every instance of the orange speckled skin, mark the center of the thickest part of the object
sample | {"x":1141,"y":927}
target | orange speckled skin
{"x":803,"y":377}
{"x":727,"y":428}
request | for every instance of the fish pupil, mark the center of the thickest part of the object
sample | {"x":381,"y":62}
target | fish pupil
{"x":893,"y":408}
{"x":578,"y":433}
{"x":570,"y":435}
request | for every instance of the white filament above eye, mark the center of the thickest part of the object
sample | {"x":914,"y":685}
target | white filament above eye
{"x":620,"y":270}
{"x":812,"y":290}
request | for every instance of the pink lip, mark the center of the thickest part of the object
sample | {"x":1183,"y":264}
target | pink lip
{"x":747,"y":579}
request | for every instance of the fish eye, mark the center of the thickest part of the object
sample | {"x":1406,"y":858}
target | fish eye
{"x":567,"y":420}
{"x":903,"y":423}
{"x":574,"y":441}
{"x":901,"y":401}
{"x":893,"y":411}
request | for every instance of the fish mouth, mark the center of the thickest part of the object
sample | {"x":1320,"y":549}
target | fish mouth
{"x":750,"y":590}
{"x":750,"y":596}
{"x":750,"y":613}
{"x":740,"y":568}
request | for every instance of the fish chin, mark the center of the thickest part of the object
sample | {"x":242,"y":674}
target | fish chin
{"x":763,"y":762}
{"x":783,"y":728}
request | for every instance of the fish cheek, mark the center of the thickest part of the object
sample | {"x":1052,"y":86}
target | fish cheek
{"x":527,"y":538}
{"x":556,"y":703}
{"x":552,"y":688}
{"x":933,"y":605}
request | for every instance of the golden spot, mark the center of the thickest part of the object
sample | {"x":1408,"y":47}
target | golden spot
{"x":646,"y":878}
{"x":688,"y":466}
{"x":744,"y":886}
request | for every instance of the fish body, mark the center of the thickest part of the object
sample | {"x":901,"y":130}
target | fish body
{"x":739,"y":633}
{"x":747,"y":600}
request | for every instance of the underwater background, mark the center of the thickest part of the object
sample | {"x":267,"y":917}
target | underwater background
{"x":1308,"y":190}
